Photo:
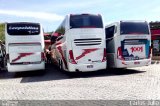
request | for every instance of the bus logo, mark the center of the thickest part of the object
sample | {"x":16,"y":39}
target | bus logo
{"x":136,"y":49}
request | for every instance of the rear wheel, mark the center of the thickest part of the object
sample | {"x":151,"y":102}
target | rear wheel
{"x":4,"y":64}
{"x":5,"y":67}
{"x":60,"y":64}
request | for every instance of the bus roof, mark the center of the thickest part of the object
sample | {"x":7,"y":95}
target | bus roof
{"x":118,"y":22}
{"x":85,"y":14}
{"x":22,"y":23}
{"x":133,"y":21}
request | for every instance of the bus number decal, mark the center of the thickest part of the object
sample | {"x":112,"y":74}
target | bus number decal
{"x":136,"y":49}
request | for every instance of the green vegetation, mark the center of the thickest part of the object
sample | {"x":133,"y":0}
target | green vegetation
{"x":155,"y":25}
{"x":2,"y":28}
{"x":50,"y":32}
{"x":61,"y":30}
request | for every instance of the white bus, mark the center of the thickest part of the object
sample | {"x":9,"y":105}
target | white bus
{"x":24,"y":46}
{"x":80,"y":46}
{"x":128,"y":44}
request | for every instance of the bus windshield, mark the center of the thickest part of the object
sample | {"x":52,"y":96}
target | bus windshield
{"x":86,"y":21}
{"x":134,"y":28}
{"x":23,"y":29}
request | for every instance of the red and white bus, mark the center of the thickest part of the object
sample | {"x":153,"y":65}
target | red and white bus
{"x":24,"y":46}
{"x":155,"y":37}
{"x":128,"y":44}
{"x":80,"y":45}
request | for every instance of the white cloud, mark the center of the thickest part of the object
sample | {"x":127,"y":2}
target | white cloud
{"x":155,"y":10}
{"x":81,"y":4}
{"x":29,"y":14}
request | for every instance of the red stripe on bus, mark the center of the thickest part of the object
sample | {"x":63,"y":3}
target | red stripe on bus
{"x":21,"y":55}
{"x":86,"y":51}
{"x":124,"y":63}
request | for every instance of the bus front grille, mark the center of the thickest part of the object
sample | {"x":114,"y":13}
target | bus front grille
{"x":88,"y":42}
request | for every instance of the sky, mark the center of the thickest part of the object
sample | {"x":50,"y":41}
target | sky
{"x":50,"y":13}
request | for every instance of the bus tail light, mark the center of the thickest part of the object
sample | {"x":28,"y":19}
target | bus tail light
{"x":42,"y":56}
{"x":104,"y":55}
{"x":71,"y":57}
{"x":119,"y":53}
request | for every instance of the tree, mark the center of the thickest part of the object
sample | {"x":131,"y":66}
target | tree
{"x":155,"y":25}
{"x":2,"y":33}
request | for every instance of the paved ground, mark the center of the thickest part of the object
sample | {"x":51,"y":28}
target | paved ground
{"x":136,"y":83}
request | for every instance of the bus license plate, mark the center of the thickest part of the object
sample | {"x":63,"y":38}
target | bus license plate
{"x":136,"y":62}
{"x":89,"y":66}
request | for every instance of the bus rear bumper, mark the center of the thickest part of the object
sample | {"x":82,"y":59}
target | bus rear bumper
{"x":88,"y":67}
{"x":136,"y":63}
{"x":21,"y":68}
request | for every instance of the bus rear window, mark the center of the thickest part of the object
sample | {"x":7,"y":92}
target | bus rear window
{"x":86,"y":21}
{"x":134,"y":28}
{"x":23,"y":28}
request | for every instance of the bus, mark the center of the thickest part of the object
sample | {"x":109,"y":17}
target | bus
{"x":128,"y":44}
{"x":155,"y":37}
{"x":80,"y":44}
{"x":24,"y":46}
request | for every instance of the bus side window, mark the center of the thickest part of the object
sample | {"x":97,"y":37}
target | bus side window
{"x":110,"y":32}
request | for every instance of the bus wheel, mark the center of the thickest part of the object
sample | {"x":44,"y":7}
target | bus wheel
{"x":5,"y":64}
{"x":60,"y":64}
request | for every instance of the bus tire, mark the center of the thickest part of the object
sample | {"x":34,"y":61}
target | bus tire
{"x":59,"y":64}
